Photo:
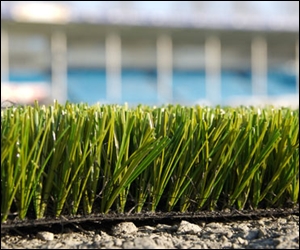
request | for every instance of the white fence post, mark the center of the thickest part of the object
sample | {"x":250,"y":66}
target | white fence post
{"x":113,"y":54}
{"x":164,"y":68}
{"x":4,"y":56}
{"x":59,"y":66}
{"x":213,"y":69}
{"x":259,"y":66}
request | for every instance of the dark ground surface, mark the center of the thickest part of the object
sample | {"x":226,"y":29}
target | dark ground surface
{"x":57,"y":225}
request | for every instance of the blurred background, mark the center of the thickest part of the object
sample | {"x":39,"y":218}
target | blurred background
{"x":150,"y":52}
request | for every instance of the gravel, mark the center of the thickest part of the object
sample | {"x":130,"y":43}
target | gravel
{"x":265,"y":233}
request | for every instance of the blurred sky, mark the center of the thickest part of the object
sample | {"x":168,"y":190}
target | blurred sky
{"x":259,"y":14}
{"x":263,"y":15}
{"x":220,"y":7}
{"x":265,"y":7}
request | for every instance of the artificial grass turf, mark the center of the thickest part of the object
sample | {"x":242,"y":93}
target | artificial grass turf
{"x":76,"y":158}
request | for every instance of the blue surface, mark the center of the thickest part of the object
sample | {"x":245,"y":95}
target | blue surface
{"x":139,"y":86}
